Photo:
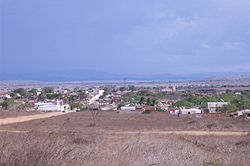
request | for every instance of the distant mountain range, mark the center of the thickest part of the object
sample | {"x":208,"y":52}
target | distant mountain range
{"x":91,"y":75}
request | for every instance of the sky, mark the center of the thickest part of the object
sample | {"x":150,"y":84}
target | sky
{"x":125,"y":36}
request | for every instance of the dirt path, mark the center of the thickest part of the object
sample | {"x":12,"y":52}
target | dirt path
{"x":192,"y":133}
{"x":13,"y":131}
{"x":29,"y":117}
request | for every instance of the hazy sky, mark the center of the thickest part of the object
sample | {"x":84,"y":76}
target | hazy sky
{"x":125,"y":36}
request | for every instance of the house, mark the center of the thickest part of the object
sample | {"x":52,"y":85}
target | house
{"x":186,"y":111}
{"x":236,"y":114}
{"x":108,"y":108}
{"x":191,"y":111}
{"x":247,"y":113}
{"x":7,"y":96}
{"x":128,"y":108}
{"x":52,"y":106}
{"x":215,"y":106}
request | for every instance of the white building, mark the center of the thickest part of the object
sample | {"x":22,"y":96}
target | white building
{"x":191,"y":111}
{"x":244,"y":112}
{"x":170,"y":89}
{"x":52,"y":106}
{"x":214,"y":106}
{"x":7,"y":96}
{"x":128,"y":108}
{"x":184,"y":111}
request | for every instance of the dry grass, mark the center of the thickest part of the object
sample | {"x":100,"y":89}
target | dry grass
{"x":41,"y":149}
{"x":67,"y":140}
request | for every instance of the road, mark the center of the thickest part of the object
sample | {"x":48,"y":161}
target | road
{"x":29,"y":117}
{"x":96,"y":97}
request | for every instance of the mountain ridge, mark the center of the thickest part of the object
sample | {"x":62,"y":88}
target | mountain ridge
{"x":93,"y":75}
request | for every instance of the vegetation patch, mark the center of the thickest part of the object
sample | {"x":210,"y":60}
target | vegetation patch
{"x":80,"y":141}
{"x":242,"y":143}
{"x":216,"y":162}
{"x":211,"y":125}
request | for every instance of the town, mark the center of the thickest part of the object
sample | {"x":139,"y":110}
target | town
{"x":174,"y":98}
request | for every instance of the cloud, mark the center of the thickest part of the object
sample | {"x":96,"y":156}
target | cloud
{"x":156,"y":33}
{"x":205,"y":45}
{"x":231,"y":45}
{"x":151,"y":36}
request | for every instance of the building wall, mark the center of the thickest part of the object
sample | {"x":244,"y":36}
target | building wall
{"x":214,"y":106}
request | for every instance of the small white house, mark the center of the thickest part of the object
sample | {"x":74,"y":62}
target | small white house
{"x":184,"y":111}
{"x":128,"y":108}
{"x":7,"y":96}
{"x":242,"y":113}
{"x":191,"y":111}
{"x":246,"y":113}
{"x":214,"y":106}
{"x":107,"y":108}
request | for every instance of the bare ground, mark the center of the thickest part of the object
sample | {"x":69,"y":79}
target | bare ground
{"x":26,"y":118}
{"x":12,"y":113}
{"x":126,"y":139}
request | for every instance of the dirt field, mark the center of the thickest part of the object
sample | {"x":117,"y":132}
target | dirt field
{"x":8,"y":114}
{"x":126,"y":139}
{"x":18,"y":119}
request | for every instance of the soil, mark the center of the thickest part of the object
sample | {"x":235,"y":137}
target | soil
{"x":111,"y":121}
{"x":8,"y":114}
{"x":25,"y":118}
{"x":126,"y":139}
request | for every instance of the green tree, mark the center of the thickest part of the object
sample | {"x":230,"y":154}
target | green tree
{"x":54,"y":95}
{"x":82,"y":95}
{"x":76,"y":89}
{"x":228,"y":91}
{"x":77,"y":105}
{"x":131,"y":88}
{"x":153,"y":102}
{"x":12,"y":94}
{"x":148,"y":102}
{"x":33,"y":91}
{"x":42,"y":97}
{"x":48,"y":90}
{"x":7,"y":103}
{"x":183,"y":103}
{"x":21,"y":91}
{"x":142,"y":99}
{"x":72,"y":98}
{"x":231,"y":107}
{"x":122,"y":89}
